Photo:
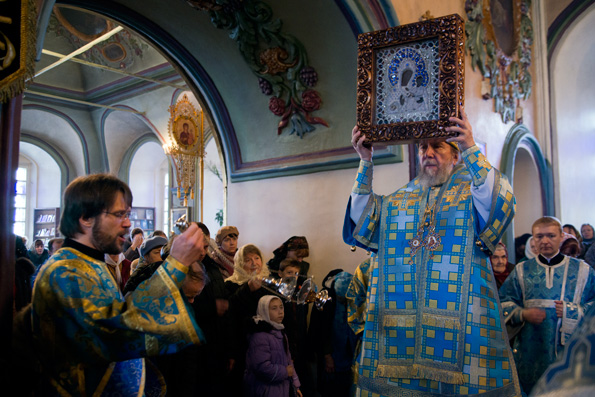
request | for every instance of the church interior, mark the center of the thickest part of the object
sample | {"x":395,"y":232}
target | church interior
{"x":274,"y":84}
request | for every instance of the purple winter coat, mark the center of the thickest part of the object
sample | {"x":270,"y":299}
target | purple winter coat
{"x":266,"y":365}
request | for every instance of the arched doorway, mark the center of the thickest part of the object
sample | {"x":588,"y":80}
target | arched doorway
{"x":530,"y":176}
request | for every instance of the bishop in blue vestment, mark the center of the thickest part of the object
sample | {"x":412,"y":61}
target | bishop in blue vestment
{"x":426,"y":303}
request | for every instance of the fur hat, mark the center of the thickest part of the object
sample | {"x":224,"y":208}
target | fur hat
{"x":224,"y":232}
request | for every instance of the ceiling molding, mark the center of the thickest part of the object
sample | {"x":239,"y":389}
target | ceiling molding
{"x":117,"y":91}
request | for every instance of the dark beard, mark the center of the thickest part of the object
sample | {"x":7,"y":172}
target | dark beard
{"x":426,"y":180}
{"x":103,"y":242}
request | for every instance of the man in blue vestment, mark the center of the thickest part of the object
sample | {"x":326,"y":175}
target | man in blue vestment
{"x":89,"y":339}
{"x":426,"y":304}
{"x":545,"y":297}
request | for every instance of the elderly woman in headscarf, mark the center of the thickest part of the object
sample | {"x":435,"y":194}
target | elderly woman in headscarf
{"x":570,"y":245}
{"x":244,"y":289}
{"x":500,"y":264}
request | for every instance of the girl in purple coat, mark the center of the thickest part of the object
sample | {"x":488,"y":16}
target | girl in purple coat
{"x":269,"y":368}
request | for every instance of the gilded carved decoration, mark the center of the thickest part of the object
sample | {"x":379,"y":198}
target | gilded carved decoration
{"x":410,"y":80}
{"x":278,"y":59}
{"x":499,"y":40}
{"x":186,"y":146}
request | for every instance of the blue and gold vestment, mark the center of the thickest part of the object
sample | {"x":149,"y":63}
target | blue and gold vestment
{"x":573,"y":372}
{"x":431,"y":323}
{"x":535,"y":284}
{"x":91,"y":340}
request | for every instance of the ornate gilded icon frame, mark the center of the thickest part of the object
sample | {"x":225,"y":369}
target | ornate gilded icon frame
{"x":410,"y":80}
{"x":185,"y":126}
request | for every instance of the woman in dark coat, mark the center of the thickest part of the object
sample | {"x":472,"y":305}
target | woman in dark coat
{"x":244,"y":289}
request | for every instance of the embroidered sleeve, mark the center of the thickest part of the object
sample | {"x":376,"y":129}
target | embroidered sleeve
{"x":362,"y":215}
{"x":363,"y":181}
{"x":79,"y":311}
{"x":477,"y":164}
{"x":356,"y":296}
{"x":493,"y":198}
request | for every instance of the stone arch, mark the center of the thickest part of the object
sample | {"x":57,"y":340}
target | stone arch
{"x":137,"y":119}
{"x":520,"y":138}
{"x":124,"y":170}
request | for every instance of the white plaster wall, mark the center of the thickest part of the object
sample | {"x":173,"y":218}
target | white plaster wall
{"x":527,"y":190}
{"x":574,"y":128}
{"x":267,"y":212}
{"x":213,"y":195}
{"x":144,"y":177}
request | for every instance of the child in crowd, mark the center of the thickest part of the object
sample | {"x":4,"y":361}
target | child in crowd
{"x":296,"y":327}
{"x":289,"y":268}
{"x":269,"y":368}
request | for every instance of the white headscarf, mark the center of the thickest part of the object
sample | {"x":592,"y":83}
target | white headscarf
{"x":529,"y":254}
{"x":262,"y":312}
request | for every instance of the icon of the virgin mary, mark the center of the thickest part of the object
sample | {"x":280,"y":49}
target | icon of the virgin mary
{"x":186,"y":136}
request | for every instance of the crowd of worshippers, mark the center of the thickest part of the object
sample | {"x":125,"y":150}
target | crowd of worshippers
{"x":256,"y":341}
{"x":199,"y":310}
{"x":237,"y":314}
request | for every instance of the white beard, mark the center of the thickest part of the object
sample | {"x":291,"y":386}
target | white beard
{"x":442,"y":174}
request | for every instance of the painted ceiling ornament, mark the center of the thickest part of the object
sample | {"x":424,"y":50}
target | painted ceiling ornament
{"x":499,"y":40}
{"x":278,"y":59}
{"x":80,"y":28}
